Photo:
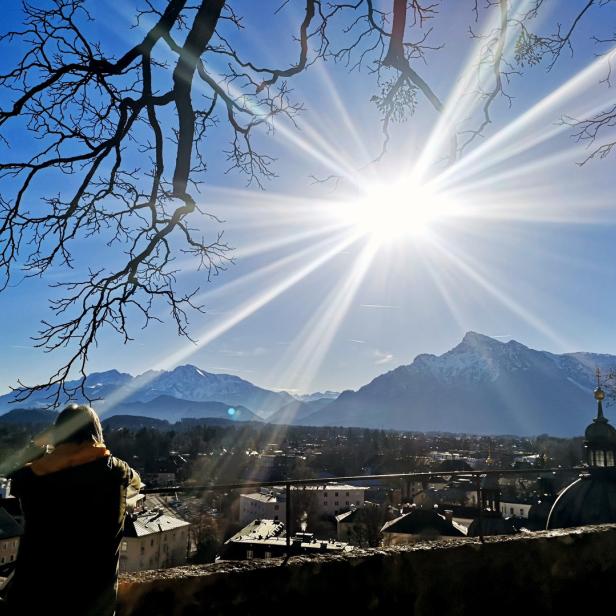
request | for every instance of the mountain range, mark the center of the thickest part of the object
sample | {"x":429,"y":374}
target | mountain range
{"x":482,"y":385}
{"x":184,"y":384}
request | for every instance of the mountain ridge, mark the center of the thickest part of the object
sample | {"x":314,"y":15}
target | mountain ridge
{"x":186,"y":382}
{"x":481,"y":385}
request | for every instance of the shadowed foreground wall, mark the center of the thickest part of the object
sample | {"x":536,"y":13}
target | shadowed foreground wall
{"x":543,"y":573}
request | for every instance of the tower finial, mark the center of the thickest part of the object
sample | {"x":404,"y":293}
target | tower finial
{"x":599,"y":396}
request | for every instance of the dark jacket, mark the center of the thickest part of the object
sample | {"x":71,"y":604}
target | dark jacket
{"x":74,"y":521}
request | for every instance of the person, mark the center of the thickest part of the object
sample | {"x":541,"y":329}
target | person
{"x":73,"y":501}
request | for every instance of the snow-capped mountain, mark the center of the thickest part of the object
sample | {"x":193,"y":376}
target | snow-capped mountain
{"x":318,"y":395}
{"x":185,"y":383}
{"x":482,"y":385}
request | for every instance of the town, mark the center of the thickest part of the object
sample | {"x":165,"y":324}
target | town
{"x":417,"y":487}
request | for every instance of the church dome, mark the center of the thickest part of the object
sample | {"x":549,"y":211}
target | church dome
{"x":601,"y":431}
{"x":589,"y":500}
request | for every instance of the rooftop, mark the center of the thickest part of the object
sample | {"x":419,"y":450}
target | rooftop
{"x":9,"y":528}
{"x":271,"y":532}
{"x":151,"y":522}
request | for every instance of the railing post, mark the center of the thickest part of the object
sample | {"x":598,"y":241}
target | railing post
{"x":480,"y":503}
{"x":288,"y":515}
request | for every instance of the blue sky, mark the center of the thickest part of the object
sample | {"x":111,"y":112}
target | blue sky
{"x":535,"y":261}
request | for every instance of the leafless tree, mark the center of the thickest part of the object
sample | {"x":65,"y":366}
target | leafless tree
{"x":127,"y":136}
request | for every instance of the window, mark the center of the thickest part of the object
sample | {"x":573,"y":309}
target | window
{"x":521,"y":512}
{"x":609,"y":458}
{"x":347,"y":503}
{"x":347,"y":493}
{"x":357,"y":503}
{"x":600,"y":458}
{"x":335,"y":493}
{"x":268,"y":555}
{"x":324,"y":494}
{"x":124,"y":546}
{"x":511,"y":510}
{"x":151,"y":542}
{"x":249,"y":554}
{"x":336,"y":504}
{"x":276,"y":507}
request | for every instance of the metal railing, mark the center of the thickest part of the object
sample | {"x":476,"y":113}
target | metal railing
{"x":287,"y":484}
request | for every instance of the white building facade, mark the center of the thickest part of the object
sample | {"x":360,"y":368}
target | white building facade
{"x":153,"y":540}
{"x":329,"y":500}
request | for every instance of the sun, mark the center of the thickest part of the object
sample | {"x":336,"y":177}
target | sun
{"x":404,"y":209}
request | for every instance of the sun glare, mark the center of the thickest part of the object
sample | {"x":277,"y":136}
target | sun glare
{"x":398,"y":211}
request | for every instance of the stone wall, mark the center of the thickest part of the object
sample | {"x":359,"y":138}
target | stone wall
{"x":567,"y":571}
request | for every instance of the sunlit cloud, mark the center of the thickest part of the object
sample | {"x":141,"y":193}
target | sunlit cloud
{"x":382,"y":358}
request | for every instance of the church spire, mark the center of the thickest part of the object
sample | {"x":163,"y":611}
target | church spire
{"x":490,"y":459}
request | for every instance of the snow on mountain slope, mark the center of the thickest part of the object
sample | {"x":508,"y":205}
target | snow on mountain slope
{"x":481,"y":385}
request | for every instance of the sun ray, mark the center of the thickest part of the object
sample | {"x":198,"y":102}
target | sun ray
{"x":300,"y":362}
{"x":462,"y":100}
{"x":262,"y":274}
{"x":343,"y":113}
{"x":240,"y":313}
{"x":437,"y":274}
{"x":477,"y":160}
{"x":472,"y":272}
{"x":319,"y":149}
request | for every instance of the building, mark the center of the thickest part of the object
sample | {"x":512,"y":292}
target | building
{"x":591,"y":499}
{"x":153,"y":540}
{"x":420,"y":524}
{"x":267,"y":539}
{"x":10,"y":535}
{"x":265,"y":504}
{"x":362,"y":526}
{"x":328,"y":499}
{"x":491,"y":523}
{"x":517,"y":508}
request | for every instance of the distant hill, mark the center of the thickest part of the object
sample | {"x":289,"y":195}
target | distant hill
{"x":29,"y":416}
{"x":297,"y":411}
{"x":172,"y":409}
{"x":182,"y":383}
{"x":134,"y":422}
{"x":481,"y":386}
